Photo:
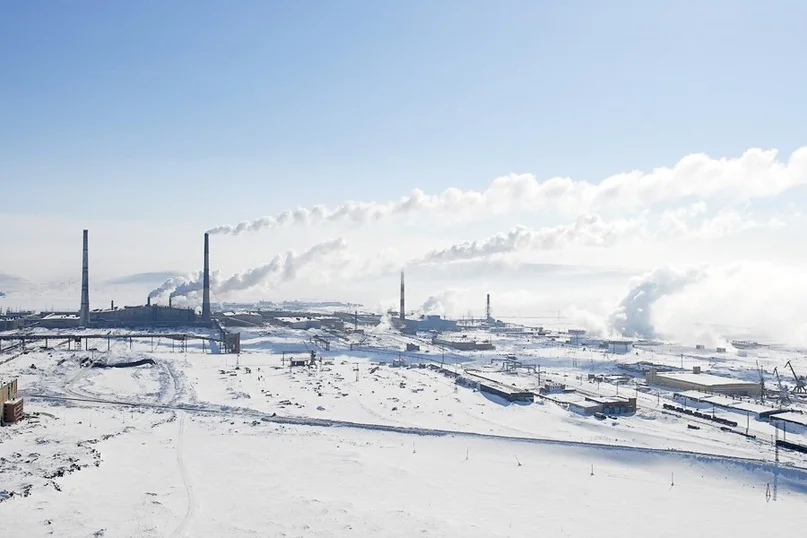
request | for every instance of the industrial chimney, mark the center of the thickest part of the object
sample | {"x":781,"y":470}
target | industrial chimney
{"x":206,"y":282}
{"x":84,"y":314}
{"x":487,"y":310}
{"x":403,"y":299}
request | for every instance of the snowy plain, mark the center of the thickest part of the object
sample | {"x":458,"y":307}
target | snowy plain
{"x":206,"y":444}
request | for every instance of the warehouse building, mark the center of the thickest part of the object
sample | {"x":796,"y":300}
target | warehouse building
{"x":589,"y":405}
{"x":301,"y":323}
{"x":147,"y":315}
{"x":508,"y":392}
{"x":790,"y":421}
{"x":619,"y":346}
{"x":242,"y":319}
{"x":697,"y":399}
{"x":696,"y":380}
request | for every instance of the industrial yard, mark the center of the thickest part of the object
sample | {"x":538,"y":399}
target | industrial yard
{"x":193,"y":428}
{"x":164,"y":413}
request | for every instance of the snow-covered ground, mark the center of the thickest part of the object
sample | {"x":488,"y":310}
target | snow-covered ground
{"x":202,"y":444}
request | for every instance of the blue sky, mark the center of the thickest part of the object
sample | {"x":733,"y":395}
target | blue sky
{"x":160,"y":109}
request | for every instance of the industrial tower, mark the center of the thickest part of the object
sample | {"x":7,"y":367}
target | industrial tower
{"x":84,"y":313}
{"x":403,"y":300}
{"x":206,"y":282}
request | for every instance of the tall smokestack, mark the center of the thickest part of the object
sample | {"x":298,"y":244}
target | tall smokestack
{"x":84,"y":314}
{"x":403,"y":298}
{"x":206,"y":282}
{"x":487,"y":309}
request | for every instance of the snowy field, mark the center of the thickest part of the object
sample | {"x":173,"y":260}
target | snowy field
{"x":203,"y":444}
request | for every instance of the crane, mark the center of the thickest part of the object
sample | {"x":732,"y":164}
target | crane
{"x":784,"y":397}
{"x":801,"y":382}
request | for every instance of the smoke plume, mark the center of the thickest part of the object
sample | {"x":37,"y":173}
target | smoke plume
{"x":757,"y":173}
{"x":443,"y":303}
{"x":588,"y":230}
{"x":279,"y":270}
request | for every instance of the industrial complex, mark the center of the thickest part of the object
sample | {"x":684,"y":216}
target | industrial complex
{"x":597,"y":377}
{"x":155,"y":369}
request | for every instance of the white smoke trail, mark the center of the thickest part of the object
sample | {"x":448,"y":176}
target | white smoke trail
{"x":757,"y":173}
{"x":588,"y":230}
{"x":281,"y":269}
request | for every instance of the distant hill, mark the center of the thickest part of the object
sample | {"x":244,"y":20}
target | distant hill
{"x":11,"y":283}
{"x":143,"y":278}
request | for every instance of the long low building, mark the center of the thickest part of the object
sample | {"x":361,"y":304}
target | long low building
{"x":699,"y":399}
{"x":696,"y":380}
{"x":508,"y":392}
{"x":790,"y":421}
{"x":588,"y":405}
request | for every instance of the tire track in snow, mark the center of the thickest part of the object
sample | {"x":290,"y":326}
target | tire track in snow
{"x":192,"y":505}
{"x":292,"y":420}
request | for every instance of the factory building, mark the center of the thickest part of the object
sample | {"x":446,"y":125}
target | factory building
{"x":431,"y":322}
{"x":589,"y":405}
{"x":59,"y":321}
{"x":302,"y":323}
{"x":333,"y":323}
{"x":509,"y":393}
{"x":242,"y":319}
{"x":696,"y":380}
{"x":619,"y":346}
{"x":576,"y":336}
{"x":147,"y":315}
{"x":463,"y":344}
{"x":11,"y":406}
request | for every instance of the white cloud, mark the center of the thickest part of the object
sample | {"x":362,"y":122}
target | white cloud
{"x":729,"y":223}
{"x":757,"y":173}
{"x":692,"y":221}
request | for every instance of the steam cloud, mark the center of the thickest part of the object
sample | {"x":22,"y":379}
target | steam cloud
{"x":709,"y":303}
{"x":443,"y":303}
{"x":757,"y":173}
{"x":280,"y":269}
{"x":633,"y":316}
